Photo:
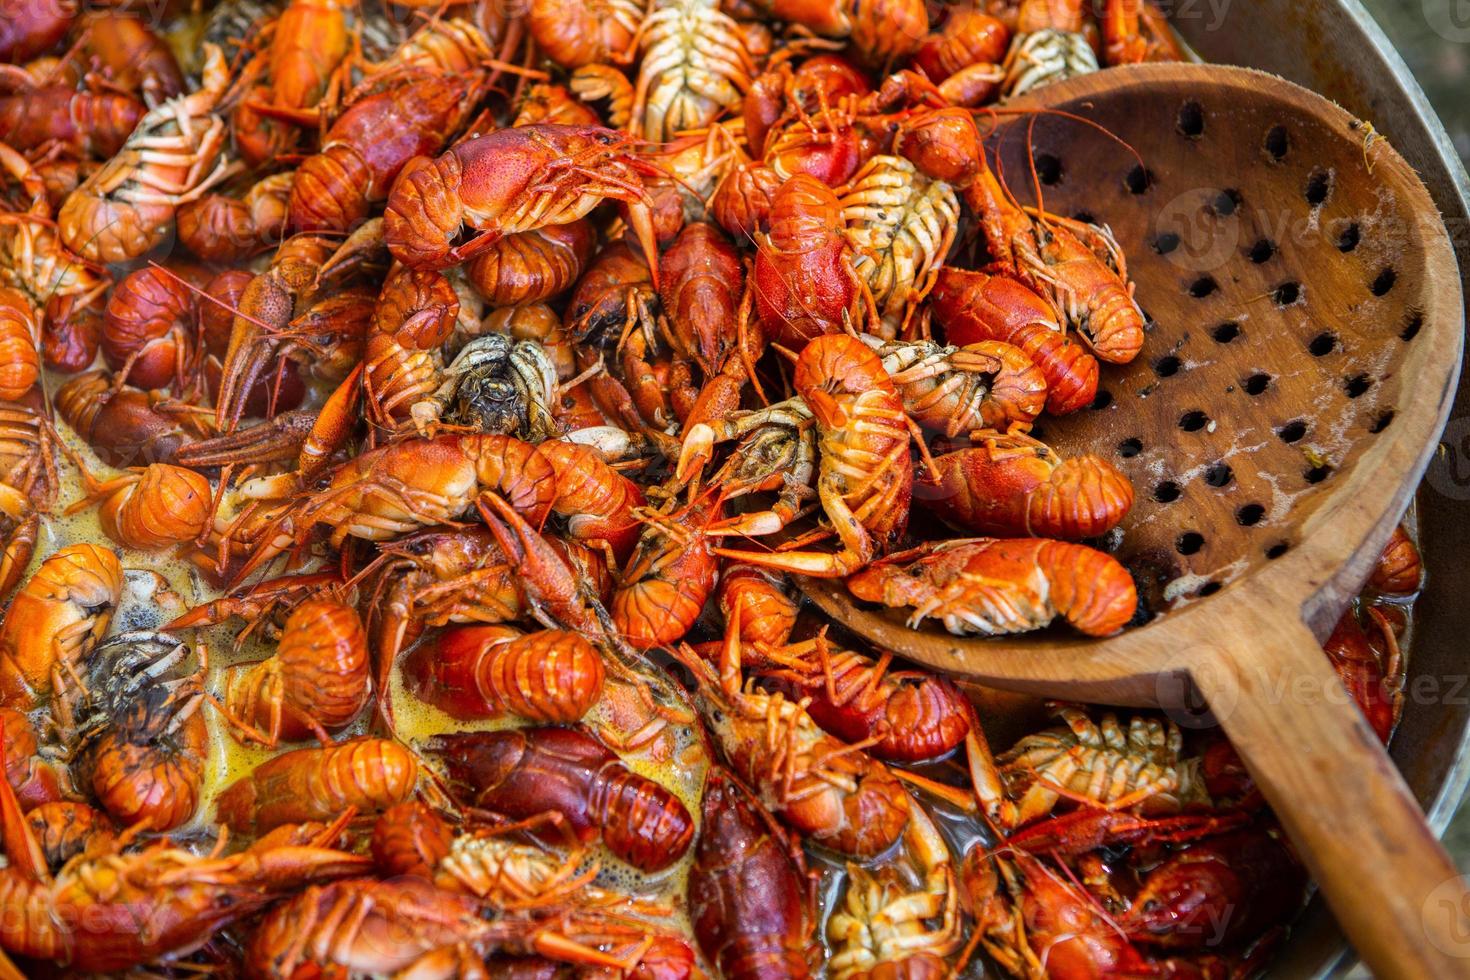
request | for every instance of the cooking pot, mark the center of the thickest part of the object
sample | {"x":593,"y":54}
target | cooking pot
{"x":1335,"y":48}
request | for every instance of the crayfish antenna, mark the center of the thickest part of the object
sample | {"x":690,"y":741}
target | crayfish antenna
{"x":511,"y":68}
{"x":785,"y":352}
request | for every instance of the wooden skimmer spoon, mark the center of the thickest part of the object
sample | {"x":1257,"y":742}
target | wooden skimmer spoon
{"x":1305,"y":347}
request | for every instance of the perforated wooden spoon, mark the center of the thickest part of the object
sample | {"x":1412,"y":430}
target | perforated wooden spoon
{"x":1305,"y":344}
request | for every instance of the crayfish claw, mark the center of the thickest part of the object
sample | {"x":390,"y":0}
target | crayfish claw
{"x":275,"y":440}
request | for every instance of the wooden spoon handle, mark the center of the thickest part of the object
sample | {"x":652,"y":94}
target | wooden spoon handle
{"x":1392,"y":887}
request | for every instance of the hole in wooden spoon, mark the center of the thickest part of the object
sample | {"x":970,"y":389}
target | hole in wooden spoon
{"x":1191,"y":120}
{"x":1048,"y":169}
{"x":1319,"y":186}
{"x":1193,"y":420}
{"x":1384,"y":281}
{"x":1292,"y":431}
{"x":1249,"y":515}
{"x":1226,"y":203}
{"x":1167,"y":366}
{"x":1277,"y":143}
{"x":1323,"y":344}
{"x":1412,"y":325}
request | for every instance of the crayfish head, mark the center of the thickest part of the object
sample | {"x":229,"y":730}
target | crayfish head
{"x":943,"y":143}
{"x":125,"y":679}
{"x":475,"y":762}
{"x":485,"y":395}
{"x":490,"y":404}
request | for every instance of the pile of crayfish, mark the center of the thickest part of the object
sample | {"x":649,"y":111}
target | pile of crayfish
{"x":417,"y":416}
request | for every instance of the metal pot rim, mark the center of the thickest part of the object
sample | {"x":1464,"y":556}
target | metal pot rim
{"x":1454,"y":209}
{"x":1308,"y":41}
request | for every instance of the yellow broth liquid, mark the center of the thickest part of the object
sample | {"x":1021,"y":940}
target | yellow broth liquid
{"x":159,"y":586}
{"x":675,"y":758}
